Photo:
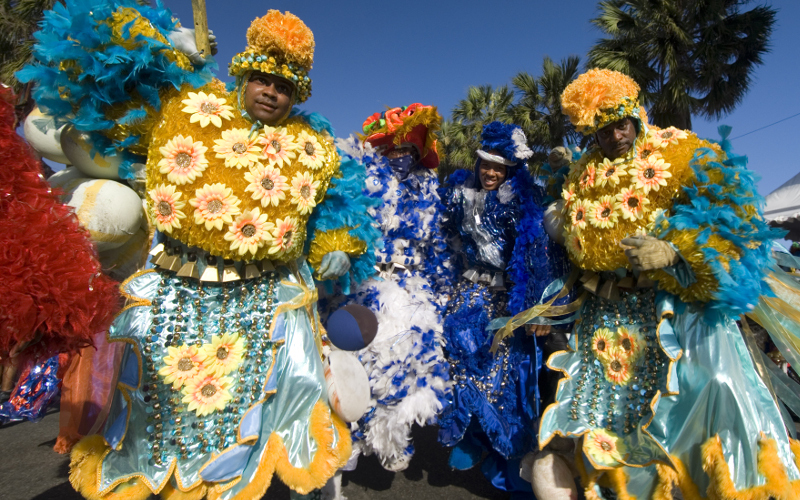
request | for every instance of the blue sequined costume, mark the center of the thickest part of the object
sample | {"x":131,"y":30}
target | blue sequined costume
{"x":222,"y":383}
{"x":503,"y":262}
{"x":659,"y":384}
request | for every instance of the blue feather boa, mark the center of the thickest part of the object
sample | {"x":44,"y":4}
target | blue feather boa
{"x":715,"y":209}
{"x":80,"y":72}
{"x":346,"y":206}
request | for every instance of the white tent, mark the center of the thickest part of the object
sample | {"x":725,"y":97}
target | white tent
{"x":783,"y":208}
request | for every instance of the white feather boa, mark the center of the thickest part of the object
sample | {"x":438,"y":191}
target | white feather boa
{"x":399,"y":359}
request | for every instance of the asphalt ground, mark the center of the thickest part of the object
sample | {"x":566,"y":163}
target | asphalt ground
{"x":31,"y":470}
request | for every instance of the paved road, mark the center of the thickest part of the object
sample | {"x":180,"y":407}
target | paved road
{"x":31,"y":470}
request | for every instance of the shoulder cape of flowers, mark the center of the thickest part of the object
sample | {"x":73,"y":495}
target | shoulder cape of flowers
{"x":103,"y":65}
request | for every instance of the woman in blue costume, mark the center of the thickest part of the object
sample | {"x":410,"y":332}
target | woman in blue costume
{"x":222,"y":383}
{"x":660,"y":388}
{"x":409,"y":376}
{"x":503,"y":260}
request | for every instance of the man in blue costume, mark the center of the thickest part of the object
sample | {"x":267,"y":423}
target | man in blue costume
{"x":408,"y":373}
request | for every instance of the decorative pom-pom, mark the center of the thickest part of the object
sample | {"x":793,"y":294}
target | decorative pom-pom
{"x":285,"y":34}
{"x":595,"y":92}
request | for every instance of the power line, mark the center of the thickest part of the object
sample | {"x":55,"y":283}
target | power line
{"x":766,"y":126}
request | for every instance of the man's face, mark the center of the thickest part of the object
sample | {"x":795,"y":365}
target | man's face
{"x":268,"y":98}
{"x":617,"y":138}
{"x":491,"y":174}
{"x":404,"y":150}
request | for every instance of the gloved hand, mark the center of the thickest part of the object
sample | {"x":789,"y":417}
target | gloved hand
{"x":334,"y":264}
{"x":554,"y":221}
{"x":559,"y":157}
{"x":648,"y":253}
{"x":183,"y":40}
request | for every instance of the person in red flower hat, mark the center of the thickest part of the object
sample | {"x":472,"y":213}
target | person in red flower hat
{"x":406,"y":365}
{"x":409,"y":130}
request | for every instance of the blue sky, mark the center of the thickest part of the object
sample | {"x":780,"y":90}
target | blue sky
{"x":372,"y":54}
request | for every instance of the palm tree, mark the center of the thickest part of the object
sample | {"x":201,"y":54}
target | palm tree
{"x":538,"y":110}
{"x":690,"y":57}
{"x":18,"y":20}
{"x":534,"y":104}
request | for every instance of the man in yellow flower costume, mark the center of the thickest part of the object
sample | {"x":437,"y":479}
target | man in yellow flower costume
{"x":222,"y":383}
{"x":659,"y":385}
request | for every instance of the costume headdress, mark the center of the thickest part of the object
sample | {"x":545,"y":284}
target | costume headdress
{"x":507,"y":139}
{"x":278,"y":44}
{"x":415,"y":124}
{"x":600,"y":97}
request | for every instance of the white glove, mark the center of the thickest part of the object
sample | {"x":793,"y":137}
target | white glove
{"x":183,"y":39}
{"x":333,"y":265}
{"x":554,"y":221}
{"x":648,"y":253}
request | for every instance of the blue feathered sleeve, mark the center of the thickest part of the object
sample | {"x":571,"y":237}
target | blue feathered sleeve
{"x":104,"y":66}
{"x":536,"y":261}
{"x":721,"y":235}
{"x":342,"y":221}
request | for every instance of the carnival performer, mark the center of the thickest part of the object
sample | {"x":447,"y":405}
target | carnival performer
{"x":660,"y":387}
{"x":222,"y":383}
{"x":503,"y":261}
{"x":408,"y":373}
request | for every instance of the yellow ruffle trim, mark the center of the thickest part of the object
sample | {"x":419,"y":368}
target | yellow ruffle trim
{"x":337,"y":239}
{"x":84,"y":470}
{"x":777,"y":486}
{"x":616,"y":479}
{"x":88,"y":453}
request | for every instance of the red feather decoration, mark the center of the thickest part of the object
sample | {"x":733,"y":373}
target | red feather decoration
{"x":53,"y":295}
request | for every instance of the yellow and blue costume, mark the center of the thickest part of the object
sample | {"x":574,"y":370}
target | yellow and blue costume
{"x":222,"y":383}
{"x":659,"y":385}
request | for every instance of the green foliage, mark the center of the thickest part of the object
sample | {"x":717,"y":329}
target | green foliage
{"x":534,"y":104}
{"x":691,"y":57}
{"x":18,"y":20}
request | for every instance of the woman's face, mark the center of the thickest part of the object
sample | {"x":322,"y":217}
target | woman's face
{"x":491,"y":174}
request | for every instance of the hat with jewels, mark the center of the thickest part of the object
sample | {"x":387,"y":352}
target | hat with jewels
{"x":281,"y":45}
